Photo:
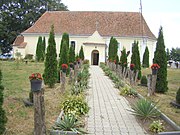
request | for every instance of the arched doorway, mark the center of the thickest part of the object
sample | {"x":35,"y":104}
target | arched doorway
{"x":95,"y":57}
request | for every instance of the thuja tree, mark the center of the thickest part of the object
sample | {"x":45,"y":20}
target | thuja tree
{"x":123,"y":58}
{"x":161,"y":59}
{"x":65,"y":37}
{"x":3,"y":118}
{"x":113,"y":47}
{"x":81,"y":53}
{"x":43,"y":49}
{"x":71,"y":54}
{"x":146,"y":58}
{"x":135,"y":58}
{"x":50,"y":71}
{"x":39,"y":49}
{"x":64,"y":55}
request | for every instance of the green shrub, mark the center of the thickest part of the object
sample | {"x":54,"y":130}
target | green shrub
{"x":29,"y":56}
{"x":75,"y":105}
{"x":156,"y":126}
{"x":69,"y":123}
{"x":145,"y":109}
{"x":85,"y":61}
{"x":178,"y":96}
{"x":144,"y":81}
{"x":128,"y":91}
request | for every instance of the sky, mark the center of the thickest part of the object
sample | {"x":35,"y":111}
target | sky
{"x":165,"y":13}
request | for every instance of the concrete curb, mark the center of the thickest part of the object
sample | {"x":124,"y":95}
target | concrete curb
{"x":167,"y":119}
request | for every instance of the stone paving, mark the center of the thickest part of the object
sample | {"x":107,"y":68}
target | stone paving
{"x":108,"y":113}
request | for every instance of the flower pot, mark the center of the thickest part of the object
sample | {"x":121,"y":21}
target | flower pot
{"x":36,"y":85}
{"x":154,"y":71}
{"x":64,"y":70}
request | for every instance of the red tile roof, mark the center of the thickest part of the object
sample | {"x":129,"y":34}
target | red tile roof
{"x":120,"y":24}
{"x":19,"y":42}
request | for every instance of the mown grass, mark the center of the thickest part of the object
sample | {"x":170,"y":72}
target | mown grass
{"x":164,"y":100}
{"x":17,"y":88}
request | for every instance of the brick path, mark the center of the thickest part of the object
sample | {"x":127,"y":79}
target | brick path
{"x":108,"y":114}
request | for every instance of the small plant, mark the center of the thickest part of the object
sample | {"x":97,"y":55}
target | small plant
{"x":144,"y":80}
{"x":69,"y":123}
{"x":75,"y":105}
{"x":178,"y":96}
{"x":132,"y":66}
{"x":156,"y":126}
{"x":35,"y":76}
{"x":127,"y":91}
{"x":145,"y":109}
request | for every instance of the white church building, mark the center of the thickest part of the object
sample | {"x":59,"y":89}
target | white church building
{"x":90,"y":29}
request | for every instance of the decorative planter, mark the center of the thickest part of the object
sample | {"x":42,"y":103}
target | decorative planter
{"x":154,"y":71}
{"x":36,"y":85}
{"x":64,"y":70}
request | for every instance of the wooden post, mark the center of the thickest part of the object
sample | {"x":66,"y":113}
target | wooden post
{"x":131,"y":77}
{"x":71,"y":75}
{"x":39,"y":113}
{"x":63,"y":78}
{"x":153,"y":85}
{"x":149,"y":83}
{"x":136,"y":76}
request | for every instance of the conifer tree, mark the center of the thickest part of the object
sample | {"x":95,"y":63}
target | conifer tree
{"x":113,"y":47}
{"x":43,"y":49}
{"x":135,"y":58}
{"x":123,"y":58}
{"x":146,"y":58}
{"x":3,"y":118}
{"x":71,"y":54}
{"x":50,"y":71}
{"x":64,"y":55}
{"x":65,"y":37}
{"x":81,"y":53}
{"x":161,"y":59}
{"x":39,"y":49}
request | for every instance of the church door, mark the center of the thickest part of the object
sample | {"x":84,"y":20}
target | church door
{"x":95,"y":57}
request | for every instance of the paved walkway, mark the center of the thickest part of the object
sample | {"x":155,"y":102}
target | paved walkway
{"x":108,"y":113}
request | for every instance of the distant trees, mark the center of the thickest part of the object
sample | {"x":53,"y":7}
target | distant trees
{"x":3,"y":118}
{"x":81,"y":53}
{"x":18,"y":15}
{"x":175,"y":54}
{"x":161,"y":59}
{"x":135,"y":58}
{"x":145,"y":62}
{"x":40,"y":49}
{"x":113,"y":47}
{"x":50,"y":71}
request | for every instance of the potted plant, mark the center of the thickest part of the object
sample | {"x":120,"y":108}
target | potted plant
{"x":64,"y":67}
{"x":155,"y":68}
{"x":132,"y":66}
{"x":36,"y":82}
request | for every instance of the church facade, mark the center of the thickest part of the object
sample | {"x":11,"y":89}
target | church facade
{"x":90,"y":29}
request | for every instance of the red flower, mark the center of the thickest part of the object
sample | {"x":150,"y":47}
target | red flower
{"x":132,"y":65}
{"x":155,"y":66}
{"x":64,"y":66}
{"x":35,"y":76}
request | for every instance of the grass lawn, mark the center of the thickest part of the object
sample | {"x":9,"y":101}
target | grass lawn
{"x":164,"y":100}
{"x":17,"y":87}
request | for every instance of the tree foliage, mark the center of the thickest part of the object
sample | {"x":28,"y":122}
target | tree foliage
{"x":135,"y":58}
{"x":43,"y":49}
{"x":161,"y":59}
{"x":64,"y":50}
{"x":123,"y":58}
{"x":113,"y":47}
{"x":3,"y":118}
{"x":175,"y":54}
{"x":146,"y":58}
{"x":81,"y":53}
{"x":39,"y":49}
{"x":18,"y":15}
{"x":71,"y":54}
{"x":50,"y":71}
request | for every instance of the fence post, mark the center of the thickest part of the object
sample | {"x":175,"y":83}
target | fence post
{"x":39,"y":113}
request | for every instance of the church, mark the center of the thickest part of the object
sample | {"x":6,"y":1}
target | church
{"x":90,"y":29}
